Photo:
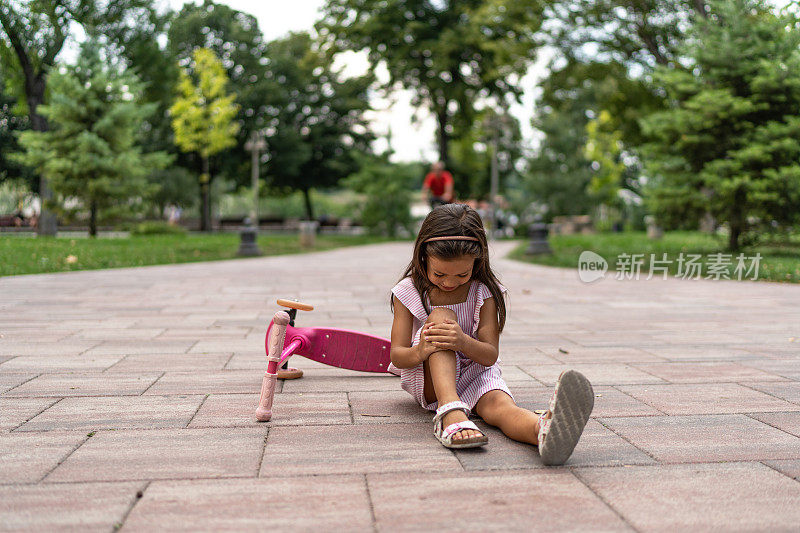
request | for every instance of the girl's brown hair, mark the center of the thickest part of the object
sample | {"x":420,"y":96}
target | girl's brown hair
{"x":451,"y":220}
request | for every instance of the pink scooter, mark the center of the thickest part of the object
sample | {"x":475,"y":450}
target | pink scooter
{"x":335,"y":347}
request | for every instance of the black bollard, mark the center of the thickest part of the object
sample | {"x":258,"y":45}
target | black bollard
{"x":248,"y":246}
{"x":537,"y":232}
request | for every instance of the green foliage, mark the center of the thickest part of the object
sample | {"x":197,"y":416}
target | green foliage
{"x":11,"y":124}
{"x":90,"y":154}
{"x":779,"y":261}
{"x":448,"y":54}
{"x":730,"y":143}
{"x":319,"y":124}
{"x":157,"y":228}
{"x":203,"y":112}
{"x":471,"y":153}
{"x":388,"y":188}
{"x":203,"y":118}
{"x":31,"y":256}
{"x":603,"y":148}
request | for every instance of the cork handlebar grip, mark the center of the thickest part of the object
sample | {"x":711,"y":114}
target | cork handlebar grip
{"x":291,"y":304}
{"x":277,"y":336}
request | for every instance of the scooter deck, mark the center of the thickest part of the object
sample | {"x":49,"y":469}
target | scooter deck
{"x":341,"y":348}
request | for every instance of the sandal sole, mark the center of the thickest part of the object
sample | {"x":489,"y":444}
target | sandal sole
{"x":574,"y":404}
{"x":469,"y":444}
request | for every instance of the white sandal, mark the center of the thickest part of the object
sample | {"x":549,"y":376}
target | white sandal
{"x":569,"y":410}
{"x":446,"y":436}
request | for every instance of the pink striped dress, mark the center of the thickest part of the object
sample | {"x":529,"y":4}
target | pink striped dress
{"x":473,"y":380}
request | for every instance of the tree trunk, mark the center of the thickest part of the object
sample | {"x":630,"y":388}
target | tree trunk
{"x":733,"y":238}
{"x":34,"y":84}
{"x":93,"y":219}
{"x":47,"y":224}
{"x":205,"y":197}
{"x":442,"y":137}
{"x":736,"y":221}
{"x":309,"y":209}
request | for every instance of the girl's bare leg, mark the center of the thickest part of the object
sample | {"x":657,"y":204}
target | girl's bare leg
{"x":440,"y":374}
{"x":499,"y":410}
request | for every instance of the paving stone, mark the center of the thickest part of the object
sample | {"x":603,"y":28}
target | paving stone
{"x":503,"y":501}
{"x":45,"y":347}
{"x":330,"y":503}
{"x":357,"y":382}
{"x":142,"y":347}
{"x":83,"y":384}
{"x":787,"y":391}
{"x":788,"y":422}
{"x":707,"y":398}
{"x":597,"y":374}
{"x":66,"y":507}
{"x":516,"y":377}
{"x":26,"y":457}
{"x":119,"y":334}
{"x":387,"y":407}
{"x":513,"y":355}
{"x":598,"y":446}
{"x":360,"y":448}
{"x":680,"y":350}
{"x":200,"y":314}
{"x":600,"y":355}
{"x":15,"y":411}
{"x":164,"y":454}
{"x":229,"y":345}
{"x":789,"y":467}
{"x":171,"y":362}
{"x":72,"y":363}
{"x":221,"y":381}
{"x":788,"y":368}
{"x":300,"y":409}
{"x":695,"y":439}
{"x":700,"y":497}
{"x":706,"y":372}
{"x":9,"y":381}
{"x":93,"y":413}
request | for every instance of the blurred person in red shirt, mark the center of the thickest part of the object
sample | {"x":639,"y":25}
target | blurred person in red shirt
{"x":438,"y":185}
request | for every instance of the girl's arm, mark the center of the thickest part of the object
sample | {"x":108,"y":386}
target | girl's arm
{"x":484,"y":349}
{"x":401,"y":353}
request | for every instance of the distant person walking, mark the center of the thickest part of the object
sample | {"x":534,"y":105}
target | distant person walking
{"x":437,"y":188}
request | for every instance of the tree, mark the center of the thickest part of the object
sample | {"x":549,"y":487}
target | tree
{"x":11,"y":124}
{"x":388,"y":188}
{"x":449,"y":54}
{"x":90,"y":152}
{"x":202,"y":117}
{"x":730,"y":141}
{"x":319,"y":127}
{"x":236,"y":39}
{"x":33,"y":33}
{"x":574,"y":96}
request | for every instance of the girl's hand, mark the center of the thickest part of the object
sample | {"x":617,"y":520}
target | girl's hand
{"x":445,"y":335}
{"x":425,"y":348}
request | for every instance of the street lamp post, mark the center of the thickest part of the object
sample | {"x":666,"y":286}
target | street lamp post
{"x":248,"y":246}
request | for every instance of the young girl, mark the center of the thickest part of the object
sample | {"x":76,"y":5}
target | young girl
{"x":448,"y":315}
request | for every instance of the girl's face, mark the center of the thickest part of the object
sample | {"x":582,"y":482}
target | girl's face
{"x":449,"y":274}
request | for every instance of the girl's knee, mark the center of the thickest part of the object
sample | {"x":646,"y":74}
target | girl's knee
{"x":438,"y":314}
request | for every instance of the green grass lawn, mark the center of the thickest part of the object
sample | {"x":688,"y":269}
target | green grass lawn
{"x":26,"y":255}
{"x":780,"y":260}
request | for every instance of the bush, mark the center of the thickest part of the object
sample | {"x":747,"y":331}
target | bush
{"x":157,"y":228}
{"x":387,"y":187}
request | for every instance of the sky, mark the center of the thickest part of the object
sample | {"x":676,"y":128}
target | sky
{"x":411,"y":141}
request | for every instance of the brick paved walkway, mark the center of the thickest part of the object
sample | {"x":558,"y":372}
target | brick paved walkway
{"x":127,"y":398}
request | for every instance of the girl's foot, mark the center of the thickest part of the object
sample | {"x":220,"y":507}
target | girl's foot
{"x":459,"y":434}
{"x":457,"y":415}
{"x":560,"y":427}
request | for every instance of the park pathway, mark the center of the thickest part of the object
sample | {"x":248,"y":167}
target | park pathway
{"x":127,"y":399}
